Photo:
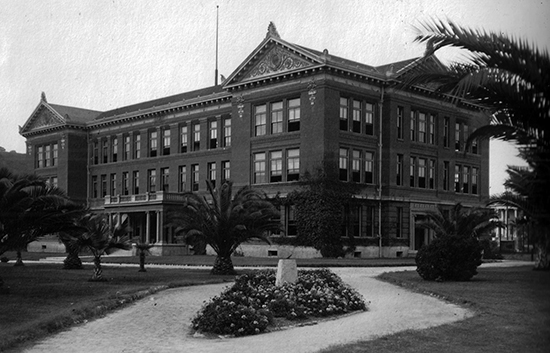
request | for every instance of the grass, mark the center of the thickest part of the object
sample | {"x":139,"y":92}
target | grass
{"x":512,"y":309}
{"x":45,"y":298}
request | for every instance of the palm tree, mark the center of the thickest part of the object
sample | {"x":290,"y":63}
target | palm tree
{"x":101,"y":238}
{"x":143,"y":251}
{"x":461,"y":222}
{"x":510,"y":79}
{"x":225,"y":222}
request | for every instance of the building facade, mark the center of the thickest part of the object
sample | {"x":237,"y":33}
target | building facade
{"x":286,"y":110}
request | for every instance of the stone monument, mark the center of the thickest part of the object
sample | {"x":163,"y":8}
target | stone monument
{"x":287,"y":271}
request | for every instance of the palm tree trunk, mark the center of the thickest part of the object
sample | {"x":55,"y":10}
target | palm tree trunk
{"x":98,"y":272}
{"x":72,"y":262}
{"x":19,"y":261}
{"x":223,"y":265}
{"x":142,"y":261}
{"x":542,"y":261}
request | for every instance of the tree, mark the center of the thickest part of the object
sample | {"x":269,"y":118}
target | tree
{"x":143,"y":251}
{"x":225,"y":222}
{"x":319,"y":213}
{"x":510,"y":79}
{"x":100,"y":238}
{"x":456,"y":252}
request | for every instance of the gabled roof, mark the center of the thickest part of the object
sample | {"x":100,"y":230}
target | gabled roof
{"x":53,"y":116}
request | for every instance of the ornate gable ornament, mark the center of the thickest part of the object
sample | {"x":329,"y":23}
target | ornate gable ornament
{"x":272,"y":31}
{"x":44,"y":118}
{"x":276,"y":60}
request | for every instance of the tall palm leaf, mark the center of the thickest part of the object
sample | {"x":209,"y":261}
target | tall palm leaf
{"x":225,"y":222}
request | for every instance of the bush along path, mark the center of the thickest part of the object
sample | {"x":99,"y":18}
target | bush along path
{"x":254,"y":304}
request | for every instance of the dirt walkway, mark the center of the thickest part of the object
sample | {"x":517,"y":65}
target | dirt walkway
{"x":161,"y":323}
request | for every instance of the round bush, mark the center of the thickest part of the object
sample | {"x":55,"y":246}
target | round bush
{"x":449,"y":258}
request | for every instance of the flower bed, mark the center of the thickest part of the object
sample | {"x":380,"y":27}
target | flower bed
{"x":253,"y":304}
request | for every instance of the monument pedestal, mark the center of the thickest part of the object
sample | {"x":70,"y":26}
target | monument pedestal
{"x":287,"y":271}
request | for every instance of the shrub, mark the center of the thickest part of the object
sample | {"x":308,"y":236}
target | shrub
{"x":4,"y":259}
{"x":449,"y":258}
{"x":252,"y":303}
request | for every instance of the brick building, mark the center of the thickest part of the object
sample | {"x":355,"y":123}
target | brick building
{"x":285,"y":110}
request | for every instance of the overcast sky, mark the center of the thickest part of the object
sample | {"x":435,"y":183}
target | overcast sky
{"x":105,"y":54}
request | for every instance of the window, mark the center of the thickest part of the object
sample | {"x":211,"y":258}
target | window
{"x":213,"y":129}
{"x":355,"y":220}
{"x":291,"y":228}
{"x":457,"y":136}
{"x":227,"y":132}
{"x":95,"y":152}
{"x":276,"y":117}
{"x":95,"y":192}
{"x":114,"y":149}
{"x":293,"y":165}
{"x":474,"y":146}
{"x":196,"y":136}
{"x":343,"y":164}
{"x":260,"y":116}
{"x":166,"y":141}
{"x":152,"y":177}
{"x":356,"y":117}
{"x":356,"y":166}
{"x":412,"y":168}
{"x":369,"y":221}
{"x":137,"y":146}
{"x":195,"y":177}
{"x":421,"y":173}
{"x":421,"y":127}
{"x":153,"y":143}
{"x":135,"y":181}
{"x":344,"y":114}
{"x":413,"y":126}
{"x":431,"y":129}
{"x":47,"y":155}
{"x":40,"y":157}
{"x":259,"y":168}
{"x":369,"y":167}
{"x":103,"y":185}
{"x":212,"y":173}
{"x":446,"y":175}
{"x":276,"y":171}
{"x":399,"y":172}
{"x":294,"y":114}
{"x":165,"y":179}
{"x":127,"y":147}
{"x":475,"y":173}
{"x":55,"y":154}
{"x":457,"y":177}
{"x":53,"y":181}
{"x":105,"y":149}
{"x":465,"y":179}
{"x":465,"y":135}
{"x":446,"y":132}
{"x":399,"y":223}
{"x":182,"y":178}
{"x":431,"y":174}
{"x":113,"y":184}
{"x":400,"y":114}
{"x":125,"y":183}
{"x":183,"y":139}
{"x":369,"y":119}
{"x":226,"y":171}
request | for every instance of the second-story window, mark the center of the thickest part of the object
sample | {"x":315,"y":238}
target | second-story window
{"x":113,"y":190}
{"x":343,"y":114}
{"x":153,"y":143}
{"x":114,"y":149}
{"x":356,"y":166}
{"x":400,"y":114}
{"x":125,"y":183}
{"x":166,"y":141}
{"x":95,"y":152}
{"x":475,"y":174}
{"x":227,"y":132}
{"x":356,"y":116}
{"x":165,"y":179}
{"x":183,"y":139}
{"x":421,"y":127}
{"x":431,"y":129}
{"x":48,"y":155}
{"x":105,"y":150}
{"x":412,"y":168}
{"x":260,"y":120}
{"x":413,"y":126}
{"x":457,"y":136}
{"x":276,"y":117}
{"x":369,"y":119}
{"x":195,"y":177}
{"x":197,"y":136}
{"x":95,"y":191}
{"x":182,"y":178}
{"x":294,"y":114}
{"x":446,"y":131}
{"x":127,"y":148}
{"x":369,"y":167}
{"x":259,"y":168}
{"x":399,"y":171}
{"x":446,"y":175}
{"x":343,"y":164}
{"x":226,"y":171}
{"x":103,"y":185}
{"x":212,"y":174}
{"x":213,"y":129}
{"x":137,"y":146}
{"x":421,"y":173}
{"x":152,"y":180}
{"x":135,"y":182}
{"x":276,"y":171}
{"x":293,"y":164}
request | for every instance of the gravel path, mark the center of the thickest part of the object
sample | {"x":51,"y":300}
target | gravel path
{"x":160,"y":323}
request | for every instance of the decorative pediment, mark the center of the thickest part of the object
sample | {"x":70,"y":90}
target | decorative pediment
{"x":43,"y":117}
{"x":277,"y":60}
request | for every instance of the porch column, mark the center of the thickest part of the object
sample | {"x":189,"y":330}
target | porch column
{"x":160,"y":226}
{"x":147,"y":227}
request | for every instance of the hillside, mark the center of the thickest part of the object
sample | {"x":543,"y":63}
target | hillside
{"x":14,"y":161}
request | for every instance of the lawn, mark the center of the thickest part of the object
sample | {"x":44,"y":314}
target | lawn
{"x":45,"y":298}
{"x":512,"y":307}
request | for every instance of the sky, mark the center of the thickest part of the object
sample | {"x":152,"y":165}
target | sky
{"x":105,"y":54}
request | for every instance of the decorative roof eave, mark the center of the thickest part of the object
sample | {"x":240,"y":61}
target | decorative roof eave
{"x":276,"y":77}
{"x":43,"y":104}
{"x":160,"y":110}
{"x":53,"y":128}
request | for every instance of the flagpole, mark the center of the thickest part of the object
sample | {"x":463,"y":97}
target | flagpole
{"x":216,"y":71}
